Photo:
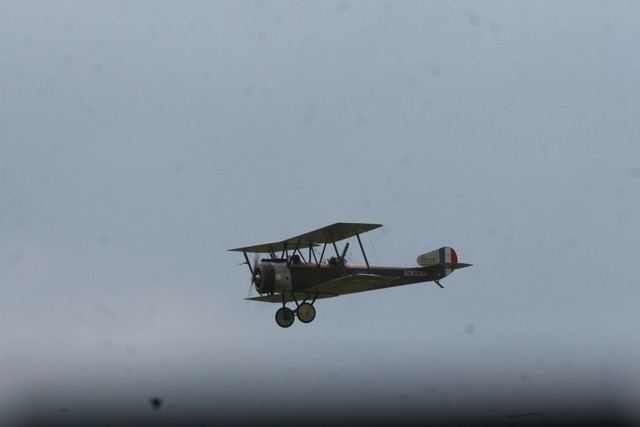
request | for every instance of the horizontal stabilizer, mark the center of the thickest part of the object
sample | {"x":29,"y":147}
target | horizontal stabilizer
{"x":448,"y":265}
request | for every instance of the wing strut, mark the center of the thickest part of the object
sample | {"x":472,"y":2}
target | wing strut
{"x":248,"y":263}
{"x":294,"y":252}
{"x":342,"y":269}
{"x":333,"y":241}
{"x":363,"y":253}
{"x":319,"y":261}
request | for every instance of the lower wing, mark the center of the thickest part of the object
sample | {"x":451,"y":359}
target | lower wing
{"x":333,"y":288}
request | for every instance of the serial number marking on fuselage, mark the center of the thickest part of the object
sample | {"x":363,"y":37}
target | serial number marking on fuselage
{"x":415,"y":273}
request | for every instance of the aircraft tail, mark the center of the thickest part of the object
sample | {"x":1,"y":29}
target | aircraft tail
{"x":444,"y":259}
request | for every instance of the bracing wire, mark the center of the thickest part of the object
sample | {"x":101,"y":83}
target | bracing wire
{"x":374,"y":249}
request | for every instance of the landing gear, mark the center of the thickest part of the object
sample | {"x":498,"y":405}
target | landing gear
{"x":306,"y":312}
{"x":285,"y":317}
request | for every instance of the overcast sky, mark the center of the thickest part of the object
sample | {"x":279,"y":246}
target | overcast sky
{"x":141,"y":140}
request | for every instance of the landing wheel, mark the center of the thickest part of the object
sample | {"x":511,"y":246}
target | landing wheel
{"x":306,"y":312}
{"x":285,"y":317}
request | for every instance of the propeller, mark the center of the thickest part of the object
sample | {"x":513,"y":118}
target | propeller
{"x":254,"y":274}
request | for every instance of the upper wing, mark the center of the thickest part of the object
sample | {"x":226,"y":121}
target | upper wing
{"x":275,"y":247}
{"x":330,"y":233}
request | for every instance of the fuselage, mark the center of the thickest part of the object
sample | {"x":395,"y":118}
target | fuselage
{"x":280,"y":276}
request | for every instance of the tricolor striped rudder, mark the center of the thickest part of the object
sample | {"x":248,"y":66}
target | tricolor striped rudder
{"x":444,"y":256}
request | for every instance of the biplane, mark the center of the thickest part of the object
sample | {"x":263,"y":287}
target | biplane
{"x":286,"y":275}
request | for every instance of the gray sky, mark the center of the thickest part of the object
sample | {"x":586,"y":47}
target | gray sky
{"x":140,"y":140}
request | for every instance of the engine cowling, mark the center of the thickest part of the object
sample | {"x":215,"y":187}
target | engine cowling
{"x":265,"y":278}
{"x":272,"y":277}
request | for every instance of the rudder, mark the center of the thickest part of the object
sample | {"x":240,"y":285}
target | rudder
{"x":444,"y":259}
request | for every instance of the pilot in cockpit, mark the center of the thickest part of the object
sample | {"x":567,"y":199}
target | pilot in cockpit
{"x":334,"y":261}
